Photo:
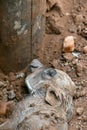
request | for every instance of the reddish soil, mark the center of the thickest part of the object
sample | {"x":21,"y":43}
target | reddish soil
{"x":68,"y":18}
{"x":65,"y":18}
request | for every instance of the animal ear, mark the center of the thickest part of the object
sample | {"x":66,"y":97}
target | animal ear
{"x":36,"y":63}
{"x":53,"y":97}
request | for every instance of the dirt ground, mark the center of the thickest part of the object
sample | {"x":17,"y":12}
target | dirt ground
{"x":63,"y":18}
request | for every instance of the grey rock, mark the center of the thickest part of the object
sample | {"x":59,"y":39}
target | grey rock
{"x":11,"y":94}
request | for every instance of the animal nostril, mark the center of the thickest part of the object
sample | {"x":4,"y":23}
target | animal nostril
{"x":48,"y":73}
{"x":52,"y":72}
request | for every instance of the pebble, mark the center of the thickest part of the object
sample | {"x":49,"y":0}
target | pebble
{"x":11,"y":94}
{"x":76,"y":54}
{"x":79,"y":111}
{"x":20,"y":75}
{"x":68,"y":44}
{"x":2,"y":84}
{"x":80,"y":94}
{"x":85,"y":50}
{"x":83,"y":32}
{"x":79,"y":19}
{"x":84,"y":117}
{"x":79,"y":68}
{"x":72,"y":29}
{"x":55,"y":63}
{"x":68,"y":56}
{"x":75,"y":61}
{"x":3,"y":107}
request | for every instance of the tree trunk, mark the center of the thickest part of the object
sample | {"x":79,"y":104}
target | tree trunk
{"x":21,"y":23}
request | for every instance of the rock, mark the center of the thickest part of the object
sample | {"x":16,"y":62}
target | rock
{"x":80,"y":94}
{"x":75,"y":61}
{"x":72,"y":29}
{"x":85,"y":50}
{"x":68,"y":44}
{"x":6,"y":107}
{"x":81,"y":69}
{"x":5,"y":95}
{"x":79,"y":19}
{"x":82,"y":30}
{"x":76,"y":54}
{"x":51,"y":3}
{"x":55,"y":63}
{"x":53,"y":26}
{"x":11,"y":94}
{"x":2,"y":84}
{"x":68,"y":56}
{"x":3,"y":108}
{"x":60,"y":6}
{"x":85,"y":21}
{"x":79,"y":111}
{"x":84,"y":117}
{"x":20,"y":75}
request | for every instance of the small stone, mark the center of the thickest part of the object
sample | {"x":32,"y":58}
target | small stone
{"x":5,"y":97}
{"x":68,"y":56}
{"x":2,"y":84}
{"x":79,"y":19}
{"x":84,"y":32}
{"x":80,"y":94}
{"x":20,"y":75}
{"x":79,"y":111}
{"x":76,"y":54}
{"x":55,"y":63}
{"x":66,"y":64}
{"x":75,"y":61}
{"x":84,"y":117}
{"x":51,"y":3}
{"x":85,"y":49}
{"x":3,"y":107}
{"x":80,"y":118}
{"x":72,"y":29}
{"x":79,"y":68}
{"x":11,"y":94}
{"x":68,"y":44}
